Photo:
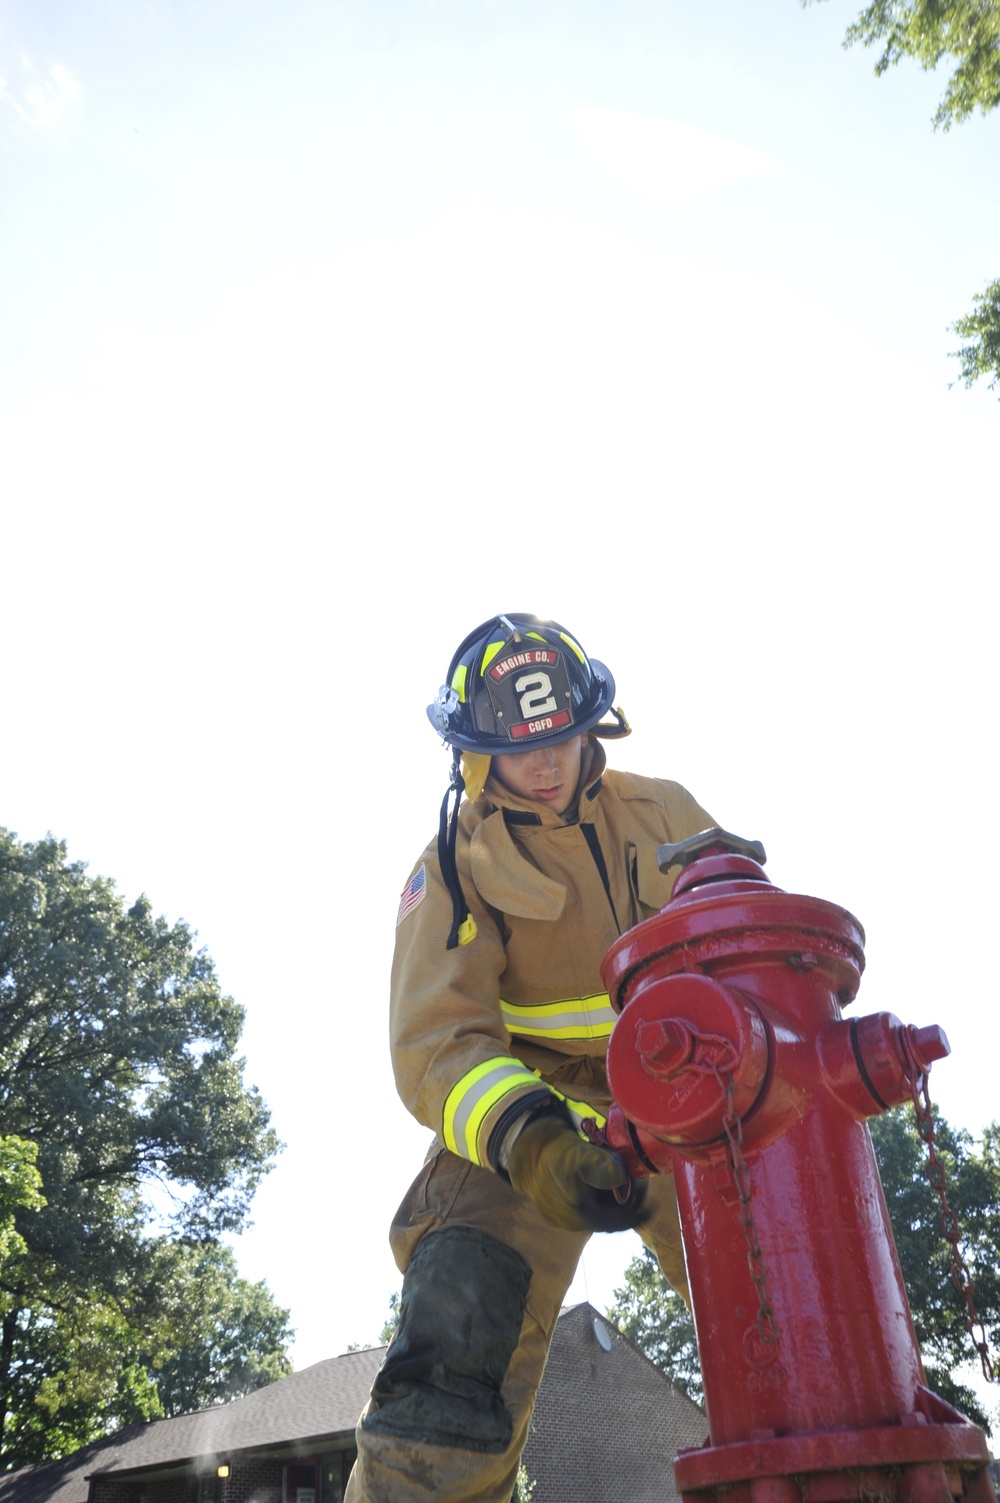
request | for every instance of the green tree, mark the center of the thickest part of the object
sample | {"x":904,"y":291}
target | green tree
{"x":20,"y":1190}
{"x":198,"y":1335}
{"x":980,"y":356}
{"x":220,"y":1336}
{"x":524,"y":1486}
{"x":388,"y":1330}
{"x":651,"y":1314}
{"x":940,"y":1314}
{"x":656,"y":1319}
{"x":966,"y":33}
{"x":118,"y":1065}
{"x":75,"y":1374}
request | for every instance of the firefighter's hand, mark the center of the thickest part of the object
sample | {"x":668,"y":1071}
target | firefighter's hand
{"x":572,"y":1182}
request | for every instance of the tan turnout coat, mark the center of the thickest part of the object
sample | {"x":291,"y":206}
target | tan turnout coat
{"x":477,"y":1029}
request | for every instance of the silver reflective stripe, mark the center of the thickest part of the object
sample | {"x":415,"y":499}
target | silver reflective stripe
{"x":473,"y":1097}
{"x":575,"y":1018}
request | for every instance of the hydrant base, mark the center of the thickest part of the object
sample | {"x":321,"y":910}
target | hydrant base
{"x":919,"y":1464}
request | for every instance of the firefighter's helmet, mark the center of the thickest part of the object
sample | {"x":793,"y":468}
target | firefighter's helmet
{"x":517,"y":682}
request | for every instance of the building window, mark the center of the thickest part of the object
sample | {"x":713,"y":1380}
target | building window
{"x":335,"y":1468}
{"x":323,"y":1480}
{"x":300,"y":1482}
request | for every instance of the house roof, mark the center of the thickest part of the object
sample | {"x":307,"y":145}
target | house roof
{"x":598,"y":1391}
{"x":320,"y":1402}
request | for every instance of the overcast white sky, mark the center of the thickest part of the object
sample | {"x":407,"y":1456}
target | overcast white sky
{"x":326,"y":331}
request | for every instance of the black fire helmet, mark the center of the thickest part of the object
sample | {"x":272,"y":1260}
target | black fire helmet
{"x":515,"y":682}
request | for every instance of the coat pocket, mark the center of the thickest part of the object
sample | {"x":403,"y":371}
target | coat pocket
{"x":651,"y":888}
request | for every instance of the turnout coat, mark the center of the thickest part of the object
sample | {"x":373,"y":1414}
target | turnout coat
{"x":482,"y":1032}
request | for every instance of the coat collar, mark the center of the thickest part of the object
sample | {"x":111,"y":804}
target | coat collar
{"x":503,"y":877}
{"x":526,"y":812}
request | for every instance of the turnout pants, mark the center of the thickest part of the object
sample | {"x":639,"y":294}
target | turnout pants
{"x":484,"y":1280}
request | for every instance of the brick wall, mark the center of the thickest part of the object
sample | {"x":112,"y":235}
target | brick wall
{"x":143,"y":1490}
{"x":254,"y":1479}
{"x":607,"y":1425}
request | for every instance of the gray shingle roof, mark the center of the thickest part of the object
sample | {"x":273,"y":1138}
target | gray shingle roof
{"x":320,"y":1401}
{"x":598,"y":1411}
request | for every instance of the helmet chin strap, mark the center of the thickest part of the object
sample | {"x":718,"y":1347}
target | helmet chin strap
{"x":463,"y":925}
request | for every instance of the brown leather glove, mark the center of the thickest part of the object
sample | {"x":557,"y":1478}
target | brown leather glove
{"x":572,"y":1181}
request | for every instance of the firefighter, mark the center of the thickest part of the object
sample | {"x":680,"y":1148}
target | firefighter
{"x":499,"y":1026}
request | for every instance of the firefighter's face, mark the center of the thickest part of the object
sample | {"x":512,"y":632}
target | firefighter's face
{"x":547,"y":775}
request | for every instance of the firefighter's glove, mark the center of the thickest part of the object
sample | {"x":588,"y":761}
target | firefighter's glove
{"x":572,"y":1182}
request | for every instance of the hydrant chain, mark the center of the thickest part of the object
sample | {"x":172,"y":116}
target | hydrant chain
{"x":733,"y":1127}
{"x":947,"y":1219}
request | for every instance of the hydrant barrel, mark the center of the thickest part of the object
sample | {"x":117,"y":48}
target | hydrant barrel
{"x":732,"y":1064}
{"x":844,"y":1351}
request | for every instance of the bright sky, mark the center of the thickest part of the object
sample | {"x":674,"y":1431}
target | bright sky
{"x":328,"y":330}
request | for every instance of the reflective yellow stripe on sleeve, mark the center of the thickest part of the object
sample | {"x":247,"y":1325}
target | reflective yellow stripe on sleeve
{"x":576,"y":1018}
{"x":580,"y":1111}
{"x":474,"y":1096}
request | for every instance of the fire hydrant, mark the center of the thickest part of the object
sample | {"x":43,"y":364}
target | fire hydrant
{"x":732,"y":1067}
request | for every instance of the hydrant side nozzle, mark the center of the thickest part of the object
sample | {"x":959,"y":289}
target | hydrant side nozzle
{"x":641,"y":1155}
{"x":672,"y":1051}
{"x":844,"y":1071}
{"x":929,"y":1044}
{"x":868,"y":1063}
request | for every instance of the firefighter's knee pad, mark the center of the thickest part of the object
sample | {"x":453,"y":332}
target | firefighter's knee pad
{"x":460,"y":1317}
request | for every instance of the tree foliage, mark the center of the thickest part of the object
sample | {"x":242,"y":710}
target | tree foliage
{"x":940,"y":1314}
{"x":651,"y":1314}
{"x":120,"y":1079}
{"x":524,"y":1486}
{"x":980,"y":355}
{"x":966,"y":33}
{"x":117,"y":1052}
{"x":648,"y":1311}
{"x":220,"y":1335}
{"x":388,"y":1330}
{"x":74,"y":1373}
{"x":195,"y":1336}
{"x":20,"y":1190}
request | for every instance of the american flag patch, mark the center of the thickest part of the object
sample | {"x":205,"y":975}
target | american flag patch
{"x":412,"y":893}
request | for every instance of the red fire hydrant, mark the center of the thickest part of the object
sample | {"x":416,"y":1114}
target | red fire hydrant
{"x":732,"y":1067}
